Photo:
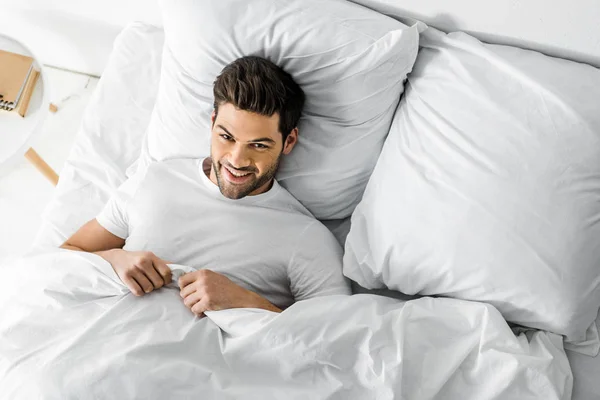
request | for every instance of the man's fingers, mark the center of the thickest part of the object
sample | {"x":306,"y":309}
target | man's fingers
{"x":186,"y":291}
{"x":153,"y":275}
{"x":143,"y":282}
{"x":186,"y":279}
{"x":199,"y":308}
{"x":133,"y":286}
{"x":163,"y":269}
{"x":146,"y":267}
{"x":191,"y":300}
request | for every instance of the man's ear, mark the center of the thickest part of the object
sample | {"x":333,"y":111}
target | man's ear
{"x":213,"y":117}
{"x":290,"y":141}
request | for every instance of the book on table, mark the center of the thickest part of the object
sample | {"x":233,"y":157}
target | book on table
{"x":17,"y":82}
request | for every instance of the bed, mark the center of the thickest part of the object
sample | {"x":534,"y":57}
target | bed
{"x":106,"y":152}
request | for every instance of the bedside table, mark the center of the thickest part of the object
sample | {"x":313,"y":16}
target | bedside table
{"x":17,"y":134}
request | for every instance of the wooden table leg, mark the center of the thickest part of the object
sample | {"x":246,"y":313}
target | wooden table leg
{"x":33,"y":157}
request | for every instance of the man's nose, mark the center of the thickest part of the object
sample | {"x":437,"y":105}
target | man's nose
{"x":239,"y":157}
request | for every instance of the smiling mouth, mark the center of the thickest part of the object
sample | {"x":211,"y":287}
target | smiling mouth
{"x":236,"y":177}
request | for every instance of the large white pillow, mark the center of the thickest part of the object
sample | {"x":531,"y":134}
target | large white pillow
{"x":488,"y":187}
{"x":350,"y":61}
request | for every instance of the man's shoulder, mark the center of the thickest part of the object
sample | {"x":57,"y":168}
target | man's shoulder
{"x":284,"y":200}
{"x":305,"y":221}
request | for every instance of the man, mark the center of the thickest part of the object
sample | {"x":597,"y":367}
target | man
{"x":254,"y":245}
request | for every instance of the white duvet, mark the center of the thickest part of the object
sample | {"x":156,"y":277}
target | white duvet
{"x":69,"y":329}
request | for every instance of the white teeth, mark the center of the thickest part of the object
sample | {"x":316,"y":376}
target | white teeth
{"x":237,"y":175}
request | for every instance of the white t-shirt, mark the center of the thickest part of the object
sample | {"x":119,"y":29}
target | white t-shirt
{"x":268,"y":243}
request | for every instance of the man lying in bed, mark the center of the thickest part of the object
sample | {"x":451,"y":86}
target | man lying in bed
{"x":254,"y":245}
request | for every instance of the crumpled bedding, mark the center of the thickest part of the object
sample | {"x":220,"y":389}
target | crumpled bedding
{"x":69,"y":329}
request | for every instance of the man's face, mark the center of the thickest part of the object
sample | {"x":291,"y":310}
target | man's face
{"x":246,"y":149}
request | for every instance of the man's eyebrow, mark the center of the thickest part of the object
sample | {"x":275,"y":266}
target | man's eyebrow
{"x":225,"y":129}
{"x":263,"y":139}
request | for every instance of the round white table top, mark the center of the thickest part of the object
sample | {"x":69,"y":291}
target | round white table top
{"x":17,"y":133}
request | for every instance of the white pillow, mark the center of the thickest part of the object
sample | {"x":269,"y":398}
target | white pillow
{"x":111,"y":133}
{"x":488,"y":187}
{"x":350,"y":61}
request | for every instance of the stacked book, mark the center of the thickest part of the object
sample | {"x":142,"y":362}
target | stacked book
{"x":17,"y":81}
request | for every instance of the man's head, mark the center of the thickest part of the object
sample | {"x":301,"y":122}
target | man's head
{"x":256,"y":112}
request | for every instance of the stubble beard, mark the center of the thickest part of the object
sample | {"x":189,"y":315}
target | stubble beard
{"x":236,"y":192}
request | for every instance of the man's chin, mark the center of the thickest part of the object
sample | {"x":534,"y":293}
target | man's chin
{"x":234,"y":193}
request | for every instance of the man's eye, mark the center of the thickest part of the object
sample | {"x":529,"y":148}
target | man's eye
{"x":260,"y":146}
{"x":226,"y":137}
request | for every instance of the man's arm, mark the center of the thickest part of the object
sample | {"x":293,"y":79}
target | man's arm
{"x":206,"y":290}
{"x":142,"y":272}
{"x":93,"y":238}
{"x":316,"y":266}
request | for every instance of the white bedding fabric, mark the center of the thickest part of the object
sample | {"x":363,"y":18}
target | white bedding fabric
{"x":486,"y":188}
{"x":350,"y":62}
{"x":111,"y":136}
{"x":111,"y":344}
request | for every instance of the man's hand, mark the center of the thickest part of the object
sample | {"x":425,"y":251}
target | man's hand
{"x":141,"y":271}
{"x":205,"y":290}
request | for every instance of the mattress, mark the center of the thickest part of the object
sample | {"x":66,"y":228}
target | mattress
{"x":110,"y":140}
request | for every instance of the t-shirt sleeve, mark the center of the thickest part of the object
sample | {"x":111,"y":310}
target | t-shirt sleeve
{"x":114,"y":217}
{"x":315,"y":268}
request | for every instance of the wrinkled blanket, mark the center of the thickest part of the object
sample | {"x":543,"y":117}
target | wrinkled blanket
{"x":69,"y":329}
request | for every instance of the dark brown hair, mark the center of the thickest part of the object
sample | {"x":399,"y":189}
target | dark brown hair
{"x":257,"y":85}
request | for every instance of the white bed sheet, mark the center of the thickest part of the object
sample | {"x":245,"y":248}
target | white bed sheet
{"x":109,"y":343}
{"x":109,"y":142}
